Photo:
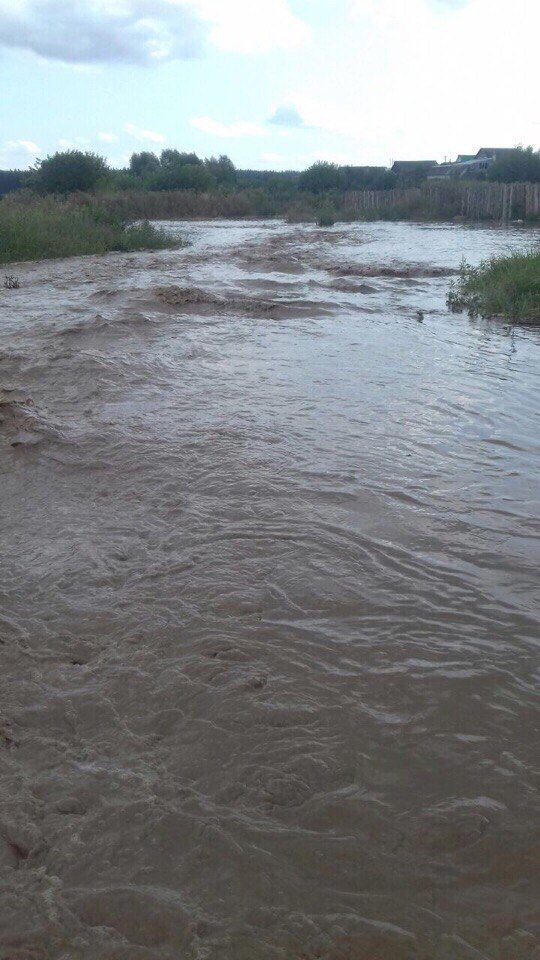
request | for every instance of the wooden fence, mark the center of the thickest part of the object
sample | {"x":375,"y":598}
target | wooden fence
{"x":440,"y":200}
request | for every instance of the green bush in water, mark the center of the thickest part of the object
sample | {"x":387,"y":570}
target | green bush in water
{"x":326,"y":218}
{"x":506,"y":287}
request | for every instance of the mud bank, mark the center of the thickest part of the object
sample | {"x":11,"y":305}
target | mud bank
{"x":269,"y":604}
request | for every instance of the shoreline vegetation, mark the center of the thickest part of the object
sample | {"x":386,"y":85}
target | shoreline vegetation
{"x":504,"y":287}
{"x":72,"y":204}
{"x":181,"y":186}
{"x":43,"y":228}
{"x":40,"y":228}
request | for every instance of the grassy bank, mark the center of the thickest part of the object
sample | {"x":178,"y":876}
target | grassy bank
{"x":42,"y":228}
{"x":506,"y":287}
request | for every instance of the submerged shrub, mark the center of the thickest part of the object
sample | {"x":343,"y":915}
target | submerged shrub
{"x":326,"y":217}
{"x":504,"y":286}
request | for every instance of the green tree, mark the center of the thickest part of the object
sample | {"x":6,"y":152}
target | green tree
{"x":68,"y":172}
{"x":122,"y":180}
{"x":11,"y":180}
{"x":322,"y":176}
{"x":171,"y":159}
{"x":143,"y":164}
{"x":181,"y":177}
{"x":367,"y":178}
{"x":222,"y":169}
{"x":522,"y":165}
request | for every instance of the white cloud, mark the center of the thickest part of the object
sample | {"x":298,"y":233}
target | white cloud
{"x":146,"y":32}
{"x":253,"y":26}
{"x":119,"y":161}
{"x":139,"y":134}
{"x":424,"y":78}
{"x":18,"y":153}
{"x":23,"y":146}
{"x":287,"y":116}
{"x":240,"y":128}
{"x":66,"y":144}
{"x":103,"y":31}
{"x":107,"y":137}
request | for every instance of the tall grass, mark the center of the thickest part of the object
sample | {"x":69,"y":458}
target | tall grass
{"x":38,"y":229}
{"x":186,"y":204}
{"x":435,"y":201}
{"x":258,"y":203}
{"x":503,"y":287}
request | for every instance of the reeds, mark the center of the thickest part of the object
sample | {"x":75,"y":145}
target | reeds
{"x":41,"y":228}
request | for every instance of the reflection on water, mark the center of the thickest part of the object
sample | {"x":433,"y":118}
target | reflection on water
{"x":269,"y":603}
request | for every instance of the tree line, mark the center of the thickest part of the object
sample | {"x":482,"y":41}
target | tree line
{"x":72,"y":171}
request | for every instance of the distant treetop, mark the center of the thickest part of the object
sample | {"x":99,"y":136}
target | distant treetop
{"x":68,"y":172}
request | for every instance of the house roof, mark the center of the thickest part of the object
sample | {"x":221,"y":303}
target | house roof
{"x":461,"y":168}
{"x":494,"y":151}
{"x":364,"y":169}
{"x":411,"y":165}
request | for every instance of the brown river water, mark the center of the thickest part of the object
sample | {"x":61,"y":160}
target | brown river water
{"x":269,"y":603}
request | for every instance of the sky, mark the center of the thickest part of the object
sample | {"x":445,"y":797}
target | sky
{"x":275,"y":84}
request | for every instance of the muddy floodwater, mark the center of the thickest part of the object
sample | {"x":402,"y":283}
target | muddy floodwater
{"x":270,"y":603}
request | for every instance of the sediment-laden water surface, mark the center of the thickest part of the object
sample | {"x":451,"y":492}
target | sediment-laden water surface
{"x":269,"y":603}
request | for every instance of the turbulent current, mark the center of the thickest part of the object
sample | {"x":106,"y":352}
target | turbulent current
{"x":269,"y":603}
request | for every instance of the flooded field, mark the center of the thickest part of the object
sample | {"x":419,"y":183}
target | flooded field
{"x":269,"y":603}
